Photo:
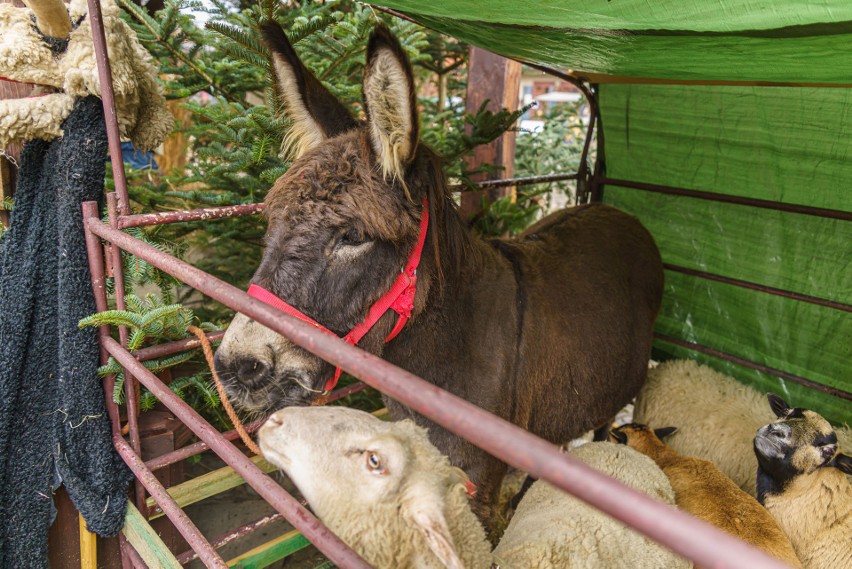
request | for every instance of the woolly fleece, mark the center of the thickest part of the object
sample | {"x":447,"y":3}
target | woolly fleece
{"x":24,"y":57}
{"x":716,"y":416}
{"x":551,"y":529}
{"x":815,"y":512}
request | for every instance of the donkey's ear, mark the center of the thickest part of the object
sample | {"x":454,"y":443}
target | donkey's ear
{"x":315,"y":112}
{"x":778,"y":405}
{"x":390,"y":103}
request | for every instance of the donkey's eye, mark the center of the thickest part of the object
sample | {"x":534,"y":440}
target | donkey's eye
{"x":352,"y":238}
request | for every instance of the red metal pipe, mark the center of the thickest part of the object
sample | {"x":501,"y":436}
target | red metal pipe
{"x":96,"y":271}
{"x":683,"y":534}
{"x":232,"y":435}
{"x":162,"y":218}
{"x":130,"y":387}
{"x":196,"y":448}
{"x":130,"y":558}
{"x":271,"y":491}
{"x":170,"y":348}
{"x":207,"y":213}
{"x":184,"y":525}
{"x":750,"y":364}
{"x":233,"y":535}
{"x":760,"y":288}
{"x":521,"y":181}
{"x":338,"y":394}
{"x":727,"y":198}
{"x":108,"y":98}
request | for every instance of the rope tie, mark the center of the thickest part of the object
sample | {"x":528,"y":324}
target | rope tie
{"x":223,"y":396}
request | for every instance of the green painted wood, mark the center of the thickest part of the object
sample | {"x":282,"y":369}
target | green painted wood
{"x":207,"y":485}
{"x":271,"y":551}
{"x":146,"y":541}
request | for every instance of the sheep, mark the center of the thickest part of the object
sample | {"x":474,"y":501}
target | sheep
{"x":716,"y":416}
{"x":800,"y":481}
{"x":703,"y":491}
{"x":396,"y":500}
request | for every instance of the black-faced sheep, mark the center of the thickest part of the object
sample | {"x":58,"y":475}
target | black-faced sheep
{"x":389,"y":494}
{"x":800,"y":481}
{"x":716,"y":416}
{"x":703,"y":491}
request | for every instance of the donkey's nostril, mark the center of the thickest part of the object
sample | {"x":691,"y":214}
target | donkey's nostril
{"x":250,"y":370}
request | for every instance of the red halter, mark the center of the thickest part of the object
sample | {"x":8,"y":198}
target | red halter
{"x":400,"y":298}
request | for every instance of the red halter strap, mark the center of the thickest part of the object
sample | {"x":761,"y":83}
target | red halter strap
{"x":400,"y":298}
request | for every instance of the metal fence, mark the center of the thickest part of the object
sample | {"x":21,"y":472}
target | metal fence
{"x":676,"y":530}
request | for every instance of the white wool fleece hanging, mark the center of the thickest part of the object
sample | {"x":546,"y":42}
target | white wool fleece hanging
{"x":66,"y":74}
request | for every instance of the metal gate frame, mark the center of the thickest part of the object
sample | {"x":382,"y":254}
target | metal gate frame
{"x":676,"y":530}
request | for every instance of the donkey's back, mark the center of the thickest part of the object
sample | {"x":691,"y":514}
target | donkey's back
{"x":592,"y":279}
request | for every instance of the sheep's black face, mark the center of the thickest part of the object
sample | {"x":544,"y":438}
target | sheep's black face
{"x":798,"y":443}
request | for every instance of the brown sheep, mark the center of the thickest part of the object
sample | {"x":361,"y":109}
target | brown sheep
{"x":703,"y":491}
{"x":800,"y":480}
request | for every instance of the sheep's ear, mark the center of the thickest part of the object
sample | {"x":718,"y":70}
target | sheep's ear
{"x":665,"y":432}
{"x":316,"y":114}
{"x":618,"y":436}
{"x":843,"y":462}
{"x":424,"y":507}
{"x":390,"y":103}
{"x":778,"y":405}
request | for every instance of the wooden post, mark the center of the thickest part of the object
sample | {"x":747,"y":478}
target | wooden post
{"x":496,"y":79}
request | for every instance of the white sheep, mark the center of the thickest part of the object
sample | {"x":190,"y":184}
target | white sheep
{"x":716,"y":416}
{"x":800,"y":481}
{"x":388,"y":493}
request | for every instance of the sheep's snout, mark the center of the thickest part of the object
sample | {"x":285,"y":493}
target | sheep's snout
{"x":772,"y":439}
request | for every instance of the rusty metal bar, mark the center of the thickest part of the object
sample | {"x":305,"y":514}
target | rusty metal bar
{"x":130,"y":558}
{"x":272,"y":492}
{"x":96,"y":270}
{"x":726,"y":198}
{"x":233,"y":535}
{"x":678,"y":531}
{"x":130,"y":387}
{"x":232,"y":435}
{"x":108,"y":98}
{"x":521,"y":181}
{"x":196,"y":448}
{"x":760,"y":288}
{"x":338,"y":394}
{"x":170,"y":348}
{"x":181,"y":216}
{"x":203,"y":214}
{"x":184,"y":525}
{"x":756,"y":366}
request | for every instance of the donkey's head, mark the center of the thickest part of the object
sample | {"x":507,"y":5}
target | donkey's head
{"x":341,"y":222}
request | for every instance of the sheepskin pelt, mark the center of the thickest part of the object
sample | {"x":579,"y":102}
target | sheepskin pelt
{"x":552,"y":529}
{"x":716,"y":416}
{"x":26,"y":57}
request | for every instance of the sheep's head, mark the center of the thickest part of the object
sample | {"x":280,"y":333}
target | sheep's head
{"x":799,"y":442}
{"x":641,"y":437}
{"x":382,"y":487}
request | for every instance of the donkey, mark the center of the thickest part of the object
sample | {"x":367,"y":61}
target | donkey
{"x":551,"y":330}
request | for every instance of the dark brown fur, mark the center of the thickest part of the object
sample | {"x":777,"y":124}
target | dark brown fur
{"x":551,"y":331}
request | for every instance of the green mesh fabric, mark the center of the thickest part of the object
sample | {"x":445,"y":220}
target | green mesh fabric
{"x":780,"y":41}
{"x":781,"y":144}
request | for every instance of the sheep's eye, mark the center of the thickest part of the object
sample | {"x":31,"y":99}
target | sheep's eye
{"x":351,"y":238}
{"x":374,"y":462}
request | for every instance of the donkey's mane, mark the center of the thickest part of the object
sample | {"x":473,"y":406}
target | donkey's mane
{"x":453,"y":245}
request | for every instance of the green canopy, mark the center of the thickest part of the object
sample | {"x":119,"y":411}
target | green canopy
{"x":686,"y":108}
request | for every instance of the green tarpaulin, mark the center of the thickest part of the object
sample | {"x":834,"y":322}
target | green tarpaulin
{"x":779,"y":143}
